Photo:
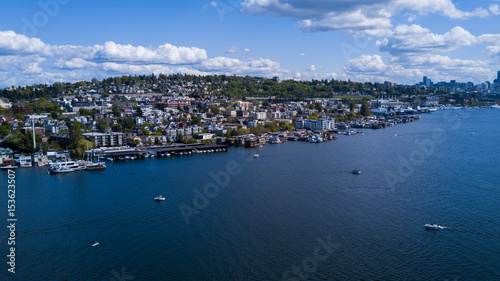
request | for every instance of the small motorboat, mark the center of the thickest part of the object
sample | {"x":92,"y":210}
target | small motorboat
{"x":160,"y":198}
{"x":434,"y":226}
{"x":256,"y":156}
{"x":95,"y":244}
{"x":356,"y":172}
{"x":61,"y":170}
{"x":8,"y":167}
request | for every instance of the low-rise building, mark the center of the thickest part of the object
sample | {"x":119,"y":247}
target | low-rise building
{"x":106,"y":139}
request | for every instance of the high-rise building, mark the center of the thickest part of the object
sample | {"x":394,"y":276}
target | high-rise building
{"x":498,"y":75}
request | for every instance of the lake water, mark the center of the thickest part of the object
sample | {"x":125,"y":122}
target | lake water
{"x":296,"y":212}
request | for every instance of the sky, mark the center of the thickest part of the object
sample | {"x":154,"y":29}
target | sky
{"x":401,"y":41}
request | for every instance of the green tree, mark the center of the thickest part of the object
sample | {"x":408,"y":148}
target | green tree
{"x":180,"y":137}
{"x":352,"y":104}
{"x":19,"y":116}
{"x":102,"y":125}
{"x":365,"y":109}
{"x":136,"y":143}
{"x":85,"y":112}
{"x":139,"y":112}
{"x":319,"y":107}
{"x":116,"y":110}
{"x":215,"y":109}
{"x":75,"y":133}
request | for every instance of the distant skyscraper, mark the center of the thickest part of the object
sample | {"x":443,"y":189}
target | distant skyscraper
{"x":498,"y":75}
{"x":425,"y":80}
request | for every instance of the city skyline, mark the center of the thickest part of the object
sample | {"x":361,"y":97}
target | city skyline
{"x":385,"y":40}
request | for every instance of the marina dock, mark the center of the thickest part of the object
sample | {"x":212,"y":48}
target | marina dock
{"x":122,"y":153}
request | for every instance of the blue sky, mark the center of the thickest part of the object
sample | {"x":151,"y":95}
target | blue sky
{"x":363,"y":40}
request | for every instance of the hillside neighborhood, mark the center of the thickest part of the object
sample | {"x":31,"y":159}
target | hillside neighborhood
{"x":135,"y":111}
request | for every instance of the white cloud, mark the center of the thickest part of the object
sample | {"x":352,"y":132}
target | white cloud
{"x":234,"y":66}
{"x":302,"y":54}
{"x":167,"y":53}
{"x":356,"y":21}
{"x":440,"y":68}
{"x":492,"y":42}
{"x":357,"y":16}
{"x":236,"y":50}
{"x":444,"y":7}
{"x":233,"y":50}
{"x":312,"y":68}
{"x":76,"y":63}
{"x":495,"y":9}
{"x":366,"y":64}
{"x":416,"y":39}
{"x":26,"y":60}
{"x":13,"y":43}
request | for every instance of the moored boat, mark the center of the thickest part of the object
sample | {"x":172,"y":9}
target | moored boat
{"x":8,"y":167}
{"x":96,"y":166}
{"x":61,"y":170}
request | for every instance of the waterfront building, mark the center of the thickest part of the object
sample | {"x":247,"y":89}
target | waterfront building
{"x":316,"y":125}
{"x":23,"y":161}
{"x":106,"y":139}
{"x":203,"y":136}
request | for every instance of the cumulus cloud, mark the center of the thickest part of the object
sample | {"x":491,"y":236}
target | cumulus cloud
{"x":166,"y":53}
{"x":356,"y":16}
{"x":495,"y":9}
{"x":236,"y":50}
{"x":25,"y":60}
{"x":234,"y":66}
{"x":312,"y":68}
{"x":492,"y":42}
{"x":416,"y":39}
{"x":444,"y":68}
{"x":13,"y":43}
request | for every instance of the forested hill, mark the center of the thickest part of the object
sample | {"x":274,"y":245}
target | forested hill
{"x":220,"y":85}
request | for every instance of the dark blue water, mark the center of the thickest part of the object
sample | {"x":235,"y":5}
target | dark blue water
{"x":267,"y":223}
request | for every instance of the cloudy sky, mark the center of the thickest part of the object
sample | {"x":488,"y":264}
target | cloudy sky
{"x":45,"y":41}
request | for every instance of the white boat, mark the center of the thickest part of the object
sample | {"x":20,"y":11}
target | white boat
{"x":66,"y":164}
{"x":256,"y":156}
{"x":96,"y":166}
{"x":95,"y":244}
{"x":8,"y":167}
{"x":160,"y":198}
{"x":434,"y":226}
{"x":356,"y":172}
{"x":61,"y":170}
